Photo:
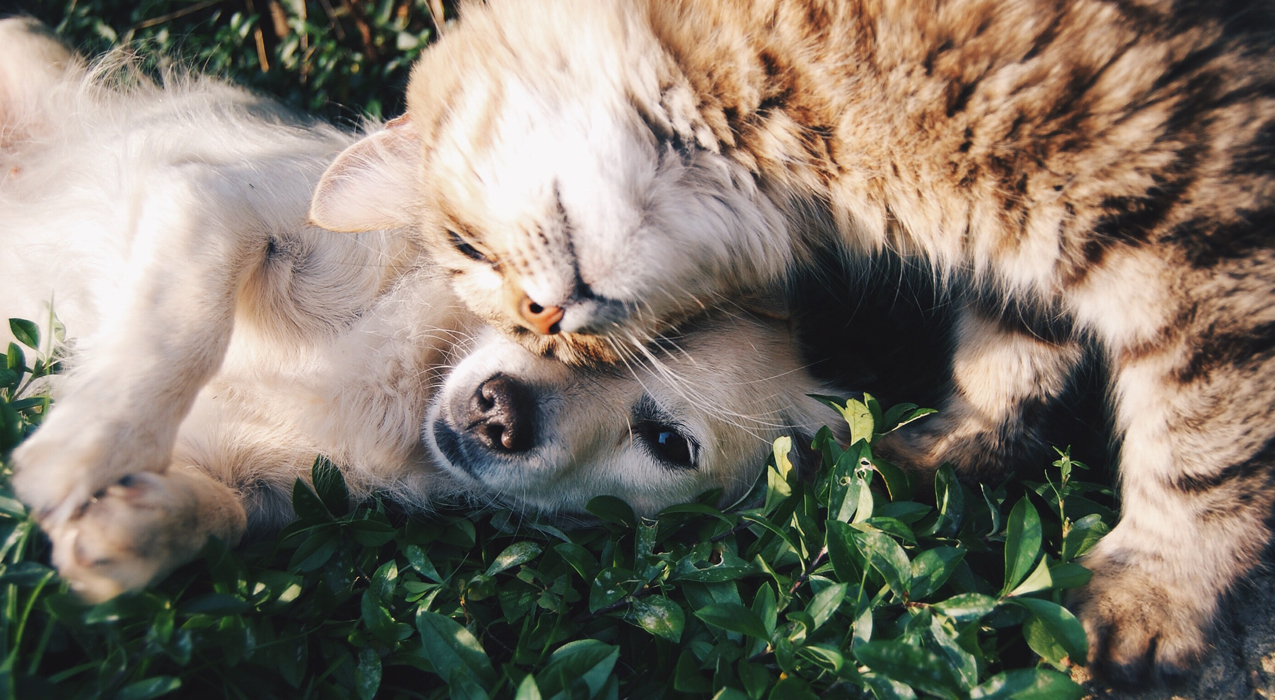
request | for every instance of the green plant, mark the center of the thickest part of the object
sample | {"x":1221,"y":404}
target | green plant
{"x":842,"y":586}
{"x":339,"y":58}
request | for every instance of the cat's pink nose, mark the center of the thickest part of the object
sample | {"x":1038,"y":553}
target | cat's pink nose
{"x":544,"y":319}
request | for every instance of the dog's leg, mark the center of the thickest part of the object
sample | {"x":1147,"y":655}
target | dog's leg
{"x":142,"y":527}
{"x":195,"y":240}
{"x":1003,"y":375}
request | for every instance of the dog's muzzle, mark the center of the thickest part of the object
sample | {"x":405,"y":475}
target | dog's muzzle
{"x":497,"y":420}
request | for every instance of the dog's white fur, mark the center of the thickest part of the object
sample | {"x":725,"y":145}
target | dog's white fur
{"x":221,"y":342}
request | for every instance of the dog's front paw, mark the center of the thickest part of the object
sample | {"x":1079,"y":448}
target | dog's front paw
{"x":139,"y":529}
{"x":1141,"y":625}
{"x":75,"y":455}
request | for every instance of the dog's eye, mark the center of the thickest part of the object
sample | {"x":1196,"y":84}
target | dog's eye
{"x":465,"y":248}
{"x":668,"y":444}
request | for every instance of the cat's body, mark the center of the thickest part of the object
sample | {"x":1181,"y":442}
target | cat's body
{"x":1075,"y":172}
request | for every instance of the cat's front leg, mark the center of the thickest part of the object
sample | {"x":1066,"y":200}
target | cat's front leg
{"x":137,"y":530}
{"x":165,"y":332}
{"x":1196,"y":483}
{"x":1003,"y":377}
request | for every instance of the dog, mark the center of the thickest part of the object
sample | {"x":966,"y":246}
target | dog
{"x":219,"y":342}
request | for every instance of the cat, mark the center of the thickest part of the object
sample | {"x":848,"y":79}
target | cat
{"x":1081,"y":173}
{"x":218,"y":343}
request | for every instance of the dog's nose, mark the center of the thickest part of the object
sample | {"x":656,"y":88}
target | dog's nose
{"x":544,"y":319}
{"x":502,"y":415}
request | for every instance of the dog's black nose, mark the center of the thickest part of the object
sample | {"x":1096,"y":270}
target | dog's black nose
{"x":501,"y":415}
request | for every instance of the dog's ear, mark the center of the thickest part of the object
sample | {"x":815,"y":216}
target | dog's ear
{"x":373,"y":183}
{"x":33,"y":61}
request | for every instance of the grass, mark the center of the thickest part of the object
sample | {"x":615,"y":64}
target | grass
{"x":850,"y":585}
{"x":846,"y":586}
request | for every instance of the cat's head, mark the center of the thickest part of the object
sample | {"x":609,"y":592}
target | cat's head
{"x":557,"y":165}
{"x":697,"y":414}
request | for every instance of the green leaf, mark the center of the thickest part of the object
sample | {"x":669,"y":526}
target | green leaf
{"x":863,"y":627}
{"x":28,"y":334}
{"x":843,"y":552}
{"x":421,"y":562}
{"x":825,"y":603}
{"x":777,"y":487}
{"x":1029,"y":684}
{"x":1022,"y":543}
{"x":367,"y":675}
{"x":932,"y":568}
{"x":383,"y":580}
{"x":514,"y":554}
{"x":902,"y":414}
{"x":16,"y":360}
{"x":792,"y":688}
{"x":330,"y":487}
{"x":944,"y":635}
{"x":966,"y":607}
{"x":1069,"y":575}
{"x":766,"y":607}
{"x":461,"y":685}
{"x":686,"y":675}
{"x":1053,"y":632}
{"x":1038,"y":580}
{"x":949,"y":500}
{"x":315,"y":551}
{"x":579,"y":558}
{"x":896,"y":480}
{"x":307,"y":505}
{"x":885,"y":688}
{"x":586,"y":659}
{"x":659,"y":616}
{"x":1084,"y":534}
{"x":887,"y":557}
{"x":449,"y":645}
{"x":859,"y":418}
{"x":527,"y":689}
{"x":920,"y":668}
{"x":845,"y":483}
{"x":993,"y":509}
{"x":610,"y":586}
{"x":612,"y":510}
{"x":734,"y":617}
{"x":149,"y":688}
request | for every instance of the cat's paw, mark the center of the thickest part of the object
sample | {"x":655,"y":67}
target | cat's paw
{"x":921,"y":449}
{"x":1140,"y":626}
{"x":136,"y":531}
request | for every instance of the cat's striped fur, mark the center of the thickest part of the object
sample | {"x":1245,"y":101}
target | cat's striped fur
{"x":1086,"y":172}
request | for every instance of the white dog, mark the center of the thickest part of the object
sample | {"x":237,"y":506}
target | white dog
{"x":221,"y":342}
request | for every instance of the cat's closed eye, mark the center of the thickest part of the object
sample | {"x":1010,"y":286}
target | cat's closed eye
{"x":466,"y":248}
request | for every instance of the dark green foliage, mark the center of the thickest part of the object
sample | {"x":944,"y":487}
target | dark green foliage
{"x":339,"y":58}
{"x":884,"y":598}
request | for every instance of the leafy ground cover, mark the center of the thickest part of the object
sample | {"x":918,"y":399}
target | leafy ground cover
{"x":339,"y":58}
{"x":847,"y":585}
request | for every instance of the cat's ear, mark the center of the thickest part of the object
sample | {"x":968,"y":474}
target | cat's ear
{"x":373,"y":184}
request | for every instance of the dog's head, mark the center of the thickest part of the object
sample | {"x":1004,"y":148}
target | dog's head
{"x":556,"y":161}
{"x":698,"y":413}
